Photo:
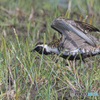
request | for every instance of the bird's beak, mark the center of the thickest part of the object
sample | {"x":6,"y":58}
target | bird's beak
{"x":33,"y":50}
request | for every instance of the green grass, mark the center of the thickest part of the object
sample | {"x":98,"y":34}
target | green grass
{"x":31,"y":76}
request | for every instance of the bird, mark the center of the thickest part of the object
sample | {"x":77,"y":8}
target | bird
{"x":76,"y":40}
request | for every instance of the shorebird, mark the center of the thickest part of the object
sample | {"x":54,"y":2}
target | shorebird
{"x":76,"y":40}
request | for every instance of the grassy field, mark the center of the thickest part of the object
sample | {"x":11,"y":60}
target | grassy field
{"x":30,"y":76}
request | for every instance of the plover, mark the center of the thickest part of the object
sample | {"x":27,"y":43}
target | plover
{"x":76,"y":40}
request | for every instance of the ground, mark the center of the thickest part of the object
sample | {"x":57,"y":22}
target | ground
{"x":28,"y":75}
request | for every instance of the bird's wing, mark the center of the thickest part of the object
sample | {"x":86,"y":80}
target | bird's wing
{"x":64,"y":26}
{"x":72,"y":41}
{"x":84,"y":27}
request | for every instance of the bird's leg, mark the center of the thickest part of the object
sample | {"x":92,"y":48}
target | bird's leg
{"x":83,"y":60}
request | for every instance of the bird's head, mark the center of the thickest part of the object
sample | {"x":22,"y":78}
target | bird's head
{"x":40,"y":48}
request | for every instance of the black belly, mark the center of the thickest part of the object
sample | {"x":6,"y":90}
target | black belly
{"x":77,"y":57}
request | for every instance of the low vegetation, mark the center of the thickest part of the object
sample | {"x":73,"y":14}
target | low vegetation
{"x":25,"y":75}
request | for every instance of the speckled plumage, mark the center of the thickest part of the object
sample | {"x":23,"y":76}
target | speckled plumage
{"x":76,"y":38}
